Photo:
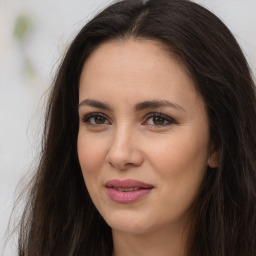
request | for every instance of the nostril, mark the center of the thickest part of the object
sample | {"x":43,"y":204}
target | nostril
{"x":123,"y":152}
{"x":125,"y":161}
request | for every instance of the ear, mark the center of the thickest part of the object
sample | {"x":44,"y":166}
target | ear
{"x":213,"y":159}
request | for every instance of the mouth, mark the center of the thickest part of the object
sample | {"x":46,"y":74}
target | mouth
{"x":127,"y":191}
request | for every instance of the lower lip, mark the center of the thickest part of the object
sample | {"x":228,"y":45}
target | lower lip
{"x":127,"y":197}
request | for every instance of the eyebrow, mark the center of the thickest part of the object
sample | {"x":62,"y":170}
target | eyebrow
{"x":94,"y":103}
{"x":153,"y":104}
{"x":157,"y":104}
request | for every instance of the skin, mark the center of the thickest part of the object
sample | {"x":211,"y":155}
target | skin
{"x":170,"y":153}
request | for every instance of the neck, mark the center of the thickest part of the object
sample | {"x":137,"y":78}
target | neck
{"x":161,"y":243}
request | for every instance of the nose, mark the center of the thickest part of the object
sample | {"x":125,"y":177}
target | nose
{"x":124,"y":150}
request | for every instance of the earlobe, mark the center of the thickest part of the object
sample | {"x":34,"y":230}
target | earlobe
{"x":213,"y":159}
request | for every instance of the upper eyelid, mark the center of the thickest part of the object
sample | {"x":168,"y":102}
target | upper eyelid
{"x":159,"y":114}
{"x":147,"y":116}
{"x":93,"y":114}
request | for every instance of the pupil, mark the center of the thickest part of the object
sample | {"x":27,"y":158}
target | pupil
{"x":99,"y":120}
{"x":158,"y":120}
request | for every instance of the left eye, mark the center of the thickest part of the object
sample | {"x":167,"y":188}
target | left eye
{"x":158,"y":120}
{"x":95,"y":119}
{"x":98,"y":120}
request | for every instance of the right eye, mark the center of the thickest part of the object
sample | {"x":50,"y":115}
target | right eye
{"x":95,"y":119}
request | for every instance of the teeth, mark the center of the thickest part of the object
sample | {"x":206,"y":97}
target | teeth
{"x":127,"y":189}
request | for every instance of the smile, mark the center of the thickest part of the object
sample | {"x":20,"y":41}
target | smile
{"x":127,"y":191}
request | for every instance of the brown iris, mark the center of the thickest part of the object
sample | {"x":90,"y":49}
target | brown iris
{"x":99,"y":120}
{"x":158,"y":120}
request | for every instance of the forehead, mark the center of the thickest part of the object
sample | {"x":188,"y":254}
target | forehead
{"x":135,"y":70}
{"x":135,"y":48}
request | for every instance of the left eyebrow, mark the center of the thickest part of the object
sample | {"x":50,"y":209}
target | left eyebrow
{"x":94,"y":103}
{"x":157,"y":104}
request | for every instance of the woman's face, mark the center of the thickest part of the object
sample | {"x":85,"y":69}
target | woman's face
{"x":143,"y":141}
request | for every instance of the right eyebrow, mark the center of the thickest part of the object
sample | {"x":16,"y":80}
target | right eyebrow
{"x":157,"y":104}
{"x":95,"y":104}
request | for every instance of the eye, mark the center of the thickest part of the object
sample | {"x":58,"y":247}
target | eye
{"x":159,"y":120}
{"x":95,"y":119}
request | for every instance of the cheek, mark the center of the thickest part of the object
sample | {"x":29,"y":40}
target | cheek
{"x":181,"y":168}
{"x":91,"y":152}
{"x":91,"y":155}
{"x":181,"y":163}
{"x":178,"y":155}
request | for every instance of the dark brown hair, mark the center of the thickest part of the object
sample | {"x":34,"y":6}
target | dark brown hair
{"x":60,"y":218}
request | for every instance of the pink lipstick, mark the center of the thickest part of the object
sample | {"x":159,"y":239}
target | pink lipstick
{"x":127,"y":191}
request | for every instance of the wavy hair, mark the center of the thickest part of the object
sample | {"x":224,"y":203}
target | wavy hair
{"x":60,"y":218}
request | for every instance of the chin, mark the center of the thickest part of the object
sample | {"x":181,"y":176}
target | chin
{"x":129,"y":223}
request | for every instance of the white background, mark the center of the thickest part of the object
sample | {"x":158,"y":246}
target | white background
{"x":55,"y":22}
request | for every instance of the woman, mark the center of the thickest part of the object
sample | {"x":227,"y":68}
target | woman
{"x":150,"y":140}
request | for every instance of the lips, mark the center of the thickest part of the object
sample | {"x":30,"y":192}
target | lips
{"x":127,"y":191}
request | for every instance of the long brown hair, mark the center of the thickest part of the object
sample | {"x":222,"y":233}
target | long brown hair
{"x":60,"y":218}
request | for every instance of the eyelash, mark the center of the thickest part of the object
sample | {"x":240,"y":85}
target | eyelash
{"x":86,"y":118}
{"x":167,"y":120}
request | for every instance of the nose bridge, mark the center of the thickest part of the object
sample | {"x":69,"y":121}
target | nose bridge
{"x":122,"y":136}
{"x":124,"y":149}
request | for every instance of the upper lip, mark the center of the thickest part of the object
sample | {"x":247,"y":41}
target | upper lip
{"x":128,"y":183}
